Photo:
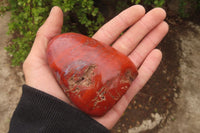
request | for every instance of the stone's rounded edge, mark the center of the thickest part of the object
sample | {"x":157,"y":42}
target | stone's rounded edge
{"x":87,"y":45}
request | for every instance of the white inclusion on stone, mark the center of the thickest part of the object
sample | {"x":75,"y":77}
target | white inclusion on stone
{"x":76,"y":65}
{"x":58,"y":76}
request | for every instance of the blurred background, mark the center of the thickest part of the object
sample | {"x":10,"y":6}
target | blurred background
{"x":169,"y":102}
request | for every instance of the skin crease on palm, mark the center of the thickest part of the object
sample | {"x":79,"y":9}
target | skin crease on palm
{"x":145,"y":31}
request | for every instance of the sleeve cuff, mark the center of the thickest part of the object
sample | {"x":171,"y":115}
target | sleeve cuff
{"x":40,"y":112}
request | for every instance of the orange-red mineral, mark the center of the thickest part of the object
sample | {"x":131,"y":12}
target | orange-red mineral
{"x":94,"y":76}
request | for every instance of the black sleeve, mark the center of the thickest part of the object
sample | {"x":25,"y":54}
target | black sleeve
{"x":38,"y":112}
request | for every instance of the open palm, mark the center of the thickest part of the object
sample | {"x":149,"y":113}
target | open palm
{"x":143,"y":33}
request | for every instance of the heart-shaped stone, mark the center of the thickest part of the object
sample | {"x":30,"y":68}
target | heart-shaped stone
{"x":93,"y":75}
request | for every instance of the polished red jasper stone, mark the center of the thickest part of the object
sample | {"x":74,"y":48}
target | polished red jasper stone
{"x":94,"y":76}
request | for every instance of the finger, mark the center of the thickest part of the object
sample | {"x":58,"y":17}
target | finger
{"x":48,"y":30}
{"x":111,"y":30}
{"x":129,"y":40}
{"x":36,"y":70}
{"x":149,"y":43}
{"x":52,"y":25}
{"x":145,"y":72}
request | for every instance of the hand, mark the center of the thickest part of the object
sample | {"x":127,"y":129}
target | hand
{"x":138,"y":43}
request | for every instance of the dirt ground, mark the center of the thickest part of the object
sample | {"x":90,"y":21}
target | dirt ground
{"x":168,"y":103}
{"x":11,"y":79}
{"x":186,"y":118}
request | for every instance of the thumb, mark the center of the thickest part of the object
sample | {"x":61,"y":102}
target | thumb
{"x":52,"y":25}
{"x":51,"y":28}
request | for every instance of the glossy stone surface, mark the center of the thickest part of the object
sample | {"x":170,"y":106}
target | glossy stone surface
{"x":94,"y":76}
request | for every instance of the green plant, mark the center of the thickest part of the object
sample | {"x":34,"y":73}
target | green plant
{"x":159,"y":3}
{"x":153,"y":3}
{"x":188,"y":7}
{"x":27,"y":16}
{"x":122,"y":4}
{"x":82,"y":15}
{"x":3,"y":6}
{"x":182,"y":11}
